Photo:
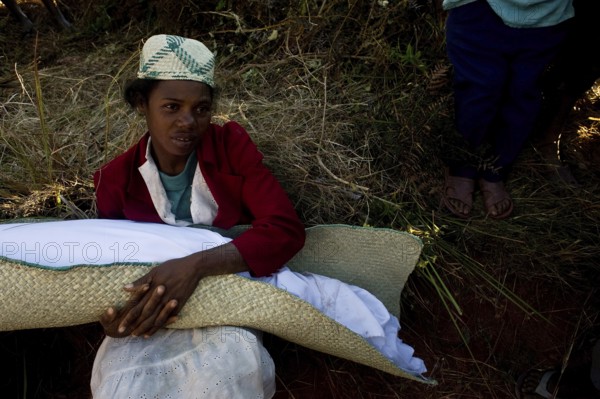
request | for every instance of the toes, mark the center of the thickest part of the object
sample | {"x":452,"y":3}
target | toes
{"x":457,"y":205}
{"x":496,"y":199}
{"x":460,"y":206}
{"x":500,"y":207}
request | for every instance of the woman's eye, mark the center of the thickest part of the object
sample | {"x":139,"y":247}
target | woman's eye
{"x":171,"y":107}
{"x":202,"y":110}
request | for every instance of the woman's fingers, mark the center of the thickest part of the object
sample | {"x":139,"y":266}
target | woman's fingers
{"x":110,"y":321}
{"x":166,"y":313}
{"x":161,"y":317}
{"x":108,"y":316}
{"x":132,"y":309}
{"x":153,"y":311}
{"x":141,"y":309}
{"x":142,"y":283}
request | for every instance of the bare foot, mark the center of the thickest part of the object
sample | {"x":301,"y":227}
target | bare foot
{"x":496,"y":199}
{"x":458,"y":195}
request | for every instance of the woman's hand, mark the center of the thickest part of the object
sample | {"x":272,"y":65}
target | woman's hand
{"x":157,"y":297}
{"x":112,"y":319}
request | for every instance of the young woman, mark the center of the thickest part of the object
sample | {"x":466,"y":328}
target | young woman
{"x":186,"y":170}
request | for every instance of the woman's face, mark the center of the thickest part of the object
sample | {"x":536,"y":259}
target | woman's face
{"x":178,"y":113}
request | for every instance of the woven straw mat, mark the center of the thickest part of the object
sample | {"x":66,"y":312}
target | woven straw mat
{"x":379,"y":260}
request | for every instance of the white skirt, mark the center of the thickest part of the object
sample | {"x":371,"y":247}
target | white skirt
{"x":212,"y":362}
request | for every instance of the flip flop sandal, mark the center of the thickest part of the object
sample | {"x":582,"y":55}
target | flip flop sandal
{"x":493,"y":193}
{"x":542,"y":387}
{"x":461,"y":189}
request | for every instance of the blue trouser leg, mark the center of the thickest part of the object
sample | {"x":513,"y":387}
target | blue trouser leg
{"x":518,"y":113}
{"x":496,"y":83}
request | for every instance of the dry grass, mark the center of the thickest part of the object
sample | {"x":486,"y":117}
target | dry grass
{"x":350,"y":103}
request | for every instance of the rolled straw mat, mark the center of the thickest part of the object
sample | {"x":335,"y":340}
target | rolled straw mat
{"x":379,"y":260}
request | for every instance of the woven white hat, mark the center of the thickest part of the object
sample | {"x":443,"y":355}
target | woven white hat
{"x":169,"y":57}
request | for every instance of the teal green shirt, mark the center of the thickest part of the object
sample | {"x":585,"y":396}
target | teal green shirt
{"x":525,"y":13}
{"x":179,"y":189}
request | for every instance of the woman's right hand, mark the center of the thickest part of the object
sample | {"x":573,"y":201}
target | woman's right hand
{"x":112,"y":320}
{"x":158,"y":296}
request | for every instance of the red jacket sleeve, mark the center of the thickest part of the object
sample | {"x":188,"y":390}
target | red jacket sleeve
{"x":277,"y":233}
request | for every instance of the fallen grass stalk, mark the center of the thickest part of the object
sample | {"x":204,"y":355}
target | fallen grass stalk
{"x":45,"y":135}
{"x":434,"y":278}
{"x":442,"y":290}
{"x":478,"y":272}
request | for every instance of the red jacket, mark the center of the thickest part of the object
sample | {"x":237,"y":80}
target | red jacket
{"x":244,"y":189}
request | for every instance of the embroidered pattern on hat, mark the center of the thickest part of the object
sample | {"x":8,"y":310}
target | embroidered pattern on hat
{"x":179,"y":58}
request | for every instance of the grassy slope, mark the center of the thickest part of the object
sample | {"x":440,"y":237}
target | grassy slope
{"x":350,"y":102}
